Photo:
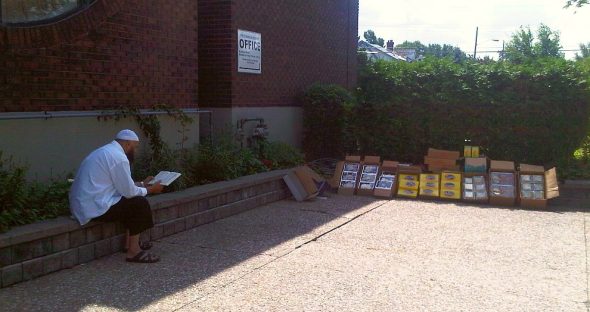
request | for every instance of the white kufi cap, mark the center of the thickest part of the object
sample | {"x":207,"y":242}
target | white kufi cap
{"x":127,"y":135}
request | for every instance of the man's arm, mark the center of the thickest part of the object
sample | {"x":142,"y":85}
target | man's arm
{"x":123,"y":183}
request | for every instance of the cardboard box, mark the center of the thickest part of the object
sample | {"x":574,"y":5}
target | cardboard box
{"x":348,"y":160}
{"x":368,"y":161}
{"x":467,"y":151}
{"x":479,"y":164}
{"x":502,"y":167}
{"x":435,"y":153}
{"x":471,"y":151}
{"x":551,"y":188}
{"x":335,"y":180}
{"x":438,"y":160}
{"x":405,"y":188}
{"x":301,"y":181}
{"x":308,"y":178}
{"x":429,"y":185}
{"x":297,"y":188}
{"x":475,"y":187}
{"x":387,"y":166}
{"x":450,"y":185}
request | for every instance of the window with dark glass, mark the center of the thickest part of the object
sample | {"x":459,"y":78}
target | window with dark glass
{"x":26,"y":12}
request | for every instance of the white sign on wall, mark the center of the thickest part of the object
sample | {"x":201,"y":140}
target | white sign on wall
{"x":249,"y":52}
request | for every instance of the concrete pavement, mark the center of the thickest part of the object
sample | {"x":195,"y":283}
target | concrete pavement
{"x":341,"y":254}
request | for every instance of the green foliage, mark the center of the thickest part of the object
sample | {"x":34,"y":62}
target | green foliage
{"x":372,"y":38}
{"x":584,"y":50}
{"x":532,"y":113}
{"x":575,"y":3}
{"x":524,"y":48}
{"x":548,"y":44}
{"x":220,"y":161}
{"x":279,"y":155}
{"x":416,"y":45}
{"x":326,"y":109}
{"x":22,"y":202}
{"x":435,"y":50}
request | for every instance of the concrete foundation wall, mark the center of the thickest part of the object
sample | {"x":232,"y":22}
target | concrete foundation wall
{"x":284,"y":123}
{"x":55,"y":147}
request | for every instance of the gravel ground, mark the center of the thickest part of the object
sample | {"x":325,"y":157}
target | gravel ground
{"x":341,"y":254}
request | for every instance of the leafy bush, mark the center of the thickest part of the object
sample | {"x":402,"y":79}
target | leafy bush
{"x":532,"y":113}
{"x":326,"y":109}
{"x":22,"y":202}
{"x":280,"y":155}
{"x":223,"y":160}
{"x":149,"y":164}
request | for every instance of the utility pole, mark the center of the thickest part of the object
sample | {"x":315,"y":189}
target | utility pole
{"x":475,"y":49}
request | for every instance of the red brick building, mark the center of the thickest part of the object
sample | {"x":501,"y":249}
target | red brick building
{"x":108,"y":54}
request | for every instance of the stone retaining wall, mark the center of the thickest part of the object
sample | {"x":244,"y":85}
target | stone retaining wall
{"x":30,"y":251}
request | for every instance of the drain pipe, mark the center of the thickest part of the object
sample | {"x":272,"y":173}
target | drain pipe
{"x":79,"y":114}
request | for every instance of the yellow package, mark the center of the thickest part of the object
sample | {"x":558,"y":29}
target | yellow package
{"x":429,"y":185}
{"x":452,"y":194}
{"x":450,"y":176}
{"x":407,"y":192}
{"x":412,"y":185}
{"x":475,"y":151}
{"x":428,"y":177}
{"x":408,"y":177}
{"x":450,"y":185}
{"x":467,"y":151}
{"x":429,"y":192}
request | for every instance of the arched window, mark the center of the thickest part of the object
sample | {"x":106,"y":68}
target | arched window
{"x":37,"y":12}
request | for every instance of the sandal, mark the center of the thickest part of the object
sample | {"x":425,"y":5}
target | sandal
{"x":143,"y":257}
{"x":142,"y":245}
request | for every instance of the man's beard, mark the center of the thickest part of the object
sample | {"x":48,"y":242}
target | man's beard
{"x":130,"y":156}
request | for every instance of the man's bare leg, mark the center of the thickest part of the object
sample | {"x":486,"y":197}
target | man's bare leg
{"x":127,"y":240}
{"x":133,"y":245}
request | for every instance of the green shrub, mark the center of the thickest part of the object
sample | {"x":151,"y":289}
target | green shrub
{"x":220,"y":161}
{"x":280,"y":155}
{"x":23,"y":202}
{"x":326,"y":110}
{"x":148,"y":164}
{"x":531,"y":113}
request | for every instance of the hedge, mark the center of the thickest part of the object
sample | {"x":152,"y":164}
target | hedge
{"x":531,"y":113}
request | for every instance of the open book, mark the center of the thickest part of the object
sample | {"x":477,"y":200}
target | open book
{"x":165,"y":177}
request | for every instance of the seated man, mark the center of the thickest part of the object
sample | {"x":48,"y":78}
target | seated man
{"x":103,"y":190}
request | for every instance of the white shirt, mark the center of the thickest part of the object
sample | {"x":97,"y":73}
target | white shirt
{"x":103,"y":179}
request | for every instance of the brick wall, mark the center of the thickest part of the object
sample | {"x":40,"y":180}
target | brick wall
{"x":132,"y":53}
{"x":303,"y":42}
{"x":215,"y":53}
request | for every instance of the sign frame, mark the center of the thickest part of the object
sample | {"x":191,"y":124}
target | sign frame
{"x":249,"y":47}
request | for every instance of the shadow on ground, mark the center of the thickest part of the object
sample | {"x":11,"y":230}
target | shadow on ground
{"x":194,"y":263}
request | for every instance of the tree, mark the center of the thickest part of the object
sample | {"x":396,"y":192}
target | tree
{"x":585,"y":49}
{"x":446,"y":50}
{"x":548,"y":42}
{"x":416,"y":45}
{"x":523,"y":46}
{"x":520,"y":47}
{"x":575,"y":3}
{"x":371,"y":38}
{"x":436,"y":50}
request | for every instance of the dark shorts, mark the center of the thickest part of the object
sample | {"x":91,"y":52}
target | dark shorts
{"x":134,"y":213}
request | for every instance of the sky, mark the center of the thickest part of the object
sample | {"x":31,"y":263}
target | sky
{"x":454,"y":22}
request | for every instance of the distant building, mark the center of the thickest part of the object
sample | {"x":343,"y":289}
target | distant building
{"x":409,"y":54}
{"x":376,"y":52}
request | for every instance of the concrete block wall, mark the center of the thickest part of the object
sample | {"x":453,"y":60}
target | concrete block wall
{"x":34,"y":250}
